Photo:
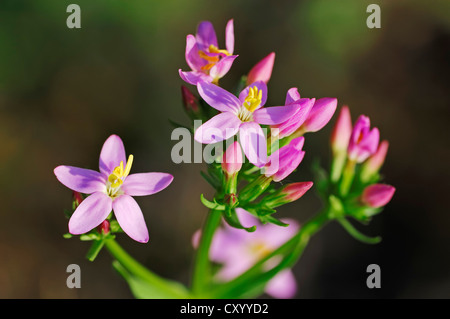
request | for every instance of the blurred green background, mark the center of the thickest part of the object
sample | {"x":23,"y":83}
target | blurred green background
{"x":64,"y":91}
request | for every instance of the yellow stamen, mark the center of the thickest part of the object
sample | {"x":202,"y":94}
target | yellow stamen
{"x":208,"y":66}
{"x":128,"y":167}
{"x":213,"y":49}
{"x":203,"y":55}
{"x":118,"y":174}
{"x":253,"y":99}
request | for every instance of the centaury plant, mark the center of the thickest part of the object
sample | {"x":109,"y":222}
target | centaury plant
{"x":243,"y":248}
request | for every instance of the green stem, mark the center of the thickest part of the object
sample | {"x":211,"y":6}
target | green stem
{"x":138,"y":270}
{"x":356,"y":234}
{"x":292,"y":250}
{"x":347,"y":177}
{"x":202,"y":268}
{"x":337,"y":165}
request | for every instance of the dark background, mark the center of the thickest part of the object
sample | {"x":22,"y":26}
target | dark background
{"x":64,"y":91}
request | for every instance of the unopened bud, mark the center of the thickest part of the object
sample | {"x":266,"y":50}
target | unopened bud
{"x":262,"y":71}
{"x":287,"y":194}
{"x":232,"y":159}
{"x":374,"y":163}
{"x":104,"y":227}
{"x":190,"y":101}
{"x":377,"y":195}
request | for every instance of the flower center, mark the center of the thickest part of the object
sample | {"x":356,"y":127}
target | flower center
{"x":251,"y":103}
{"x":253,"y":99}
{"x":116,"y":178}
{"x":212,"y":59}
{"x":260,"y":249}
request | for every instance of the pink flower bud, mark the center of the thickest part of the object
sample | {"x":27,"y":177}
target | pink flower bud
{"x":377,"y":195}
{"x":287,"y":194}
{"x":232,"y":159}
{"x":294,"y":191}
{"x":375,"y":162}
{"x":320,"y":114}
{"x":103,"y":228}
{"x":262,"y":71}
{"x":77,"y":198}
{"x":363,"y":141}
{"x":342,"y":131}
{"x":190,"y":102}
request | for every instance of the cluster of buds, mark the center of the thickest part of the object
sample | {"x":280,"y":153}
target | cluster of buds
{"x":354,"y":186}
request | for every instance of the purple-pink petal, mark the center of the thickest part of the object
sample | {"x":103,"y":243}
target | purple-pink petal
{"x":193,"y":59}
{"x":130,"y":218}
{"x":206,"y":35}
{"x":285,"y":160}
{"x":261,"y":86}
{"x":194,"y":77}
{"x":82,"y":180}
{"x":113,"y":152}
{"x":219,"y":128}
{"x":253,"y":142}
{"x":320,"y":114}
{"x":292,"y":96}
{"x":218,"y":98}
{"x":275,"y":114}
{"x":143,"y":184}
{"x":229,"y":36}
{"x":293,"y":123}
{"x":222,"y":67}
{"x":282,"y":286}
{"x":91,"y":212}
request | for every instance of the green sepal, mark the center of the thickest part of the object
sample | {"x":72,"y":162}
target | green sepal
{"x":272,"y":220}
{"x":90,"y":236}
{"x":67,"y":235}
{"x":212,"y":205}
{"x":232,"y":219}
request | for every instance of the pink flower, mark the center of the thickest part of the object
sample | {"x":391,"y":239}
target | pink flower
{"x":285,"y":160}
{"x":262,"y":71}
{"x":377,"y":195}
{"x":111,"y":189}
{"x":238,"y":250}
{"x":207,"y":62}
{"x":342,"y":131}
{"x":232,"y":159}
{"x":241,"y":115}
{"x":363,"y":141}
{"x":294,"y":122}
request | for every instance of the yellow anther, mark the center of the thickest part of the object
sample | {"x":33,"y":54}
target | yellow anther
{"x":207,"y":66}
{"x":253,"y":99}
{"x":203,"y":55}
{"x":128,"y":167}
{"x":117,"y":175}
{"x":213,"y":49}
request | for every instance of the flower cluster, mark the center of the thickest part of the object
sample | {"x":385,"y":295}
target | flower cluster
{"x":272,"y":156}
{"x":270,"y":138}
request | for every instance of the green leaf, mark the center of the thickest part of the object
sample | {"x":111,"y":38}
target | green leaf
{"x":67,"y":235}
{"x":143,"y":290}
